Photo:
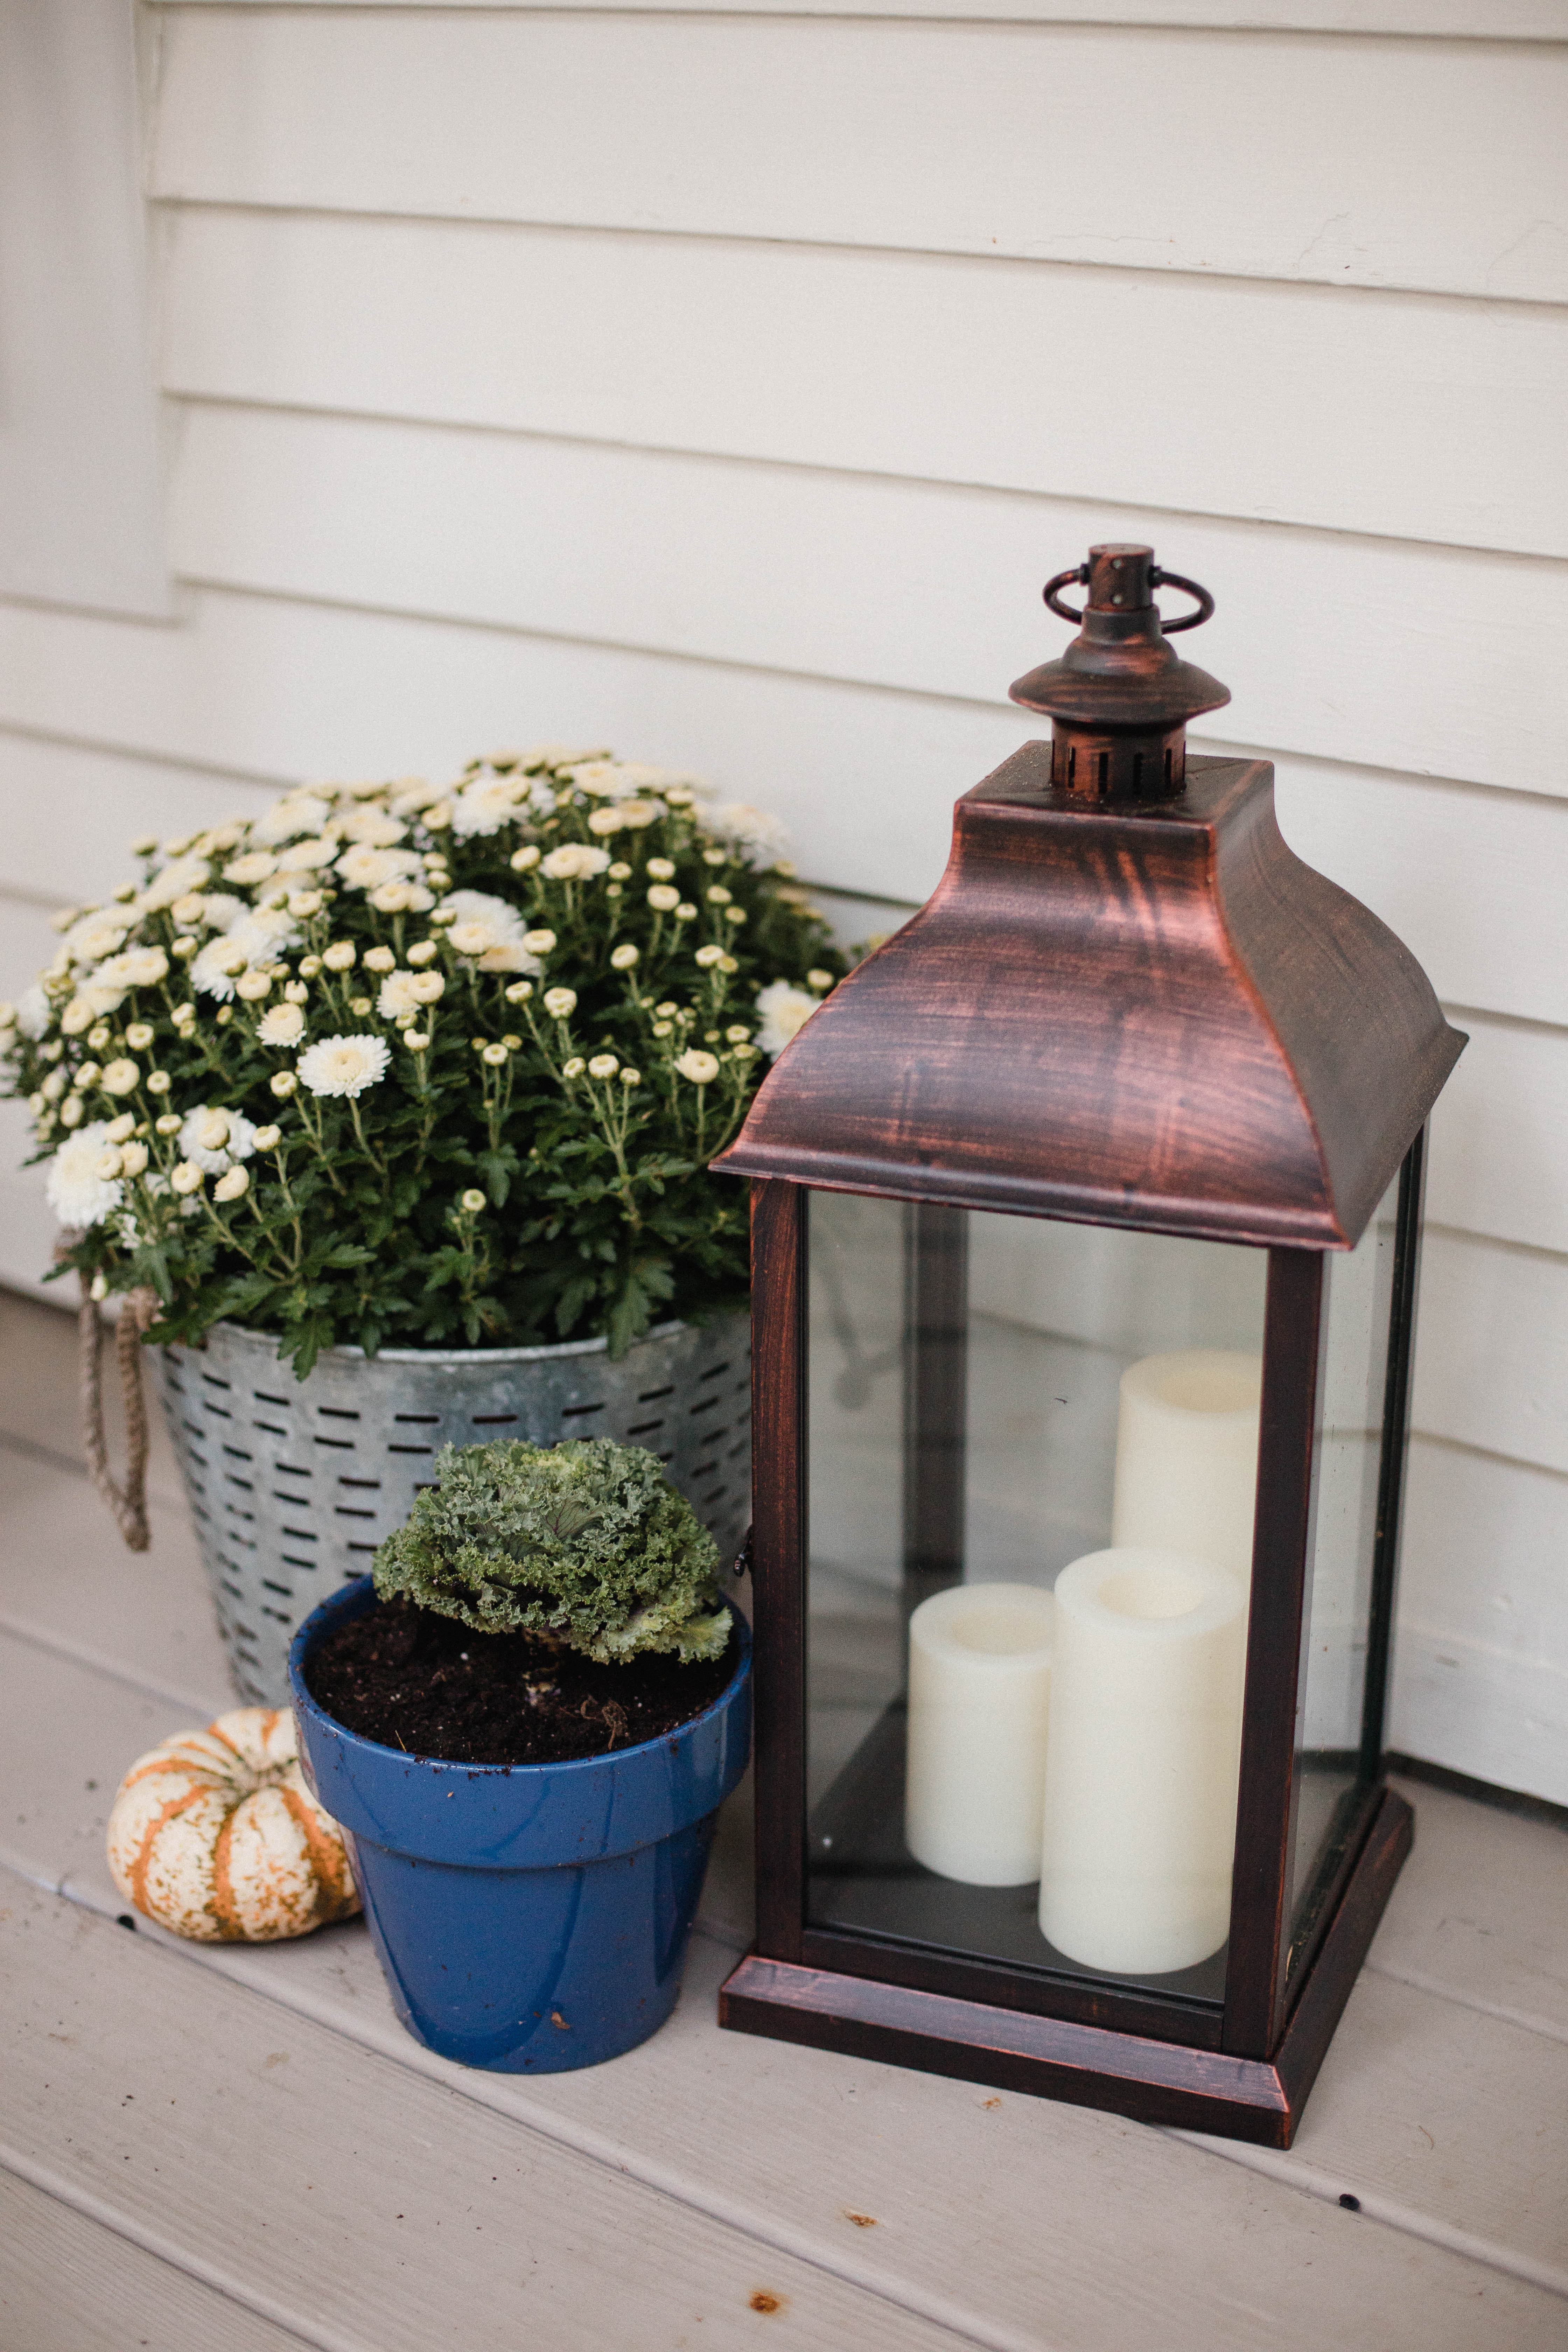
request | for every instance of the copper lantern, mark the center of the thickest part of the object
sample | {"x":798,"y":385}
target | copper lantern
{"x":1086,"y":1223}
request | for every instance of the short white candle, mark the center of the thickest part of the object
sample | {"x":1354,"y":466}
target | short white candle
{"x":980,"y":1686}
{"x":1186,"y":1454}
{"x":1143,"y":1757}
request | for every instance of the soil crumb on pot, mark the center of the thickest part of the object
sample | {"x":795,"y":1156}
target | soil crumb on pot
{"x":409,"y":1678}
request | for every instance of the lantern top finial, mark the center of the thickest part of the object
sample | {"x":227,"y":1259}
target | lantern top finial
{"x":1120,"y":697}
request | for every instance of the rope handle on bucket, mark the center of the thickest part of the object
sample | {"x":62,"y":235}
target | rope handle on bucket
{"x":127,"y":1503}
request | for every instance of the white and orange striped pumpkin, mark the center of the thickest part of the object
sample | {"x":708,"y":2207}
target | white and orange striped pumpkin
{"x":214,"y":1836}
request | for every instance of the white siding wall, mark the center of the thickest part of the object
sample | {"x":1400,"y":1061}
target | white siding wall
{"x":724,"y":384}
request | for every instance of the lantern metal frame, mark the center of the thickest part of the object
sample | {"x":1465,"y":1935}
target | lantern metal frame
{"x":1091,"y":879}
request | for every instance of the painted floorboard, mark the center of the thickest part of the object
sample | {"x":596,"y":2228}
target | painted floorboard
{"x":69,"y":2282}
{"x":348,"y":2197}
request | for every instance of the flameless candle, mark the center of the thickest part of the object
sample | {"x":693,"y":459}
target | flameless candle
{"x":979,"y":1683}
{"x":1143,"y":1757}
{"x":1187,"y":1456}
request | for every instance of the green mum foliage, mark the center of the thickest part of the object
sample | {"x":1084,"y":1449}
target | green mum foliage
{"x":586,"y":1541}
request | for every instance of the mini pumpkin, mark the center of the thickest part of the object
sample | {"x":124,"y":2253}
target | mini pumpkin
{"x":215,"y":1836}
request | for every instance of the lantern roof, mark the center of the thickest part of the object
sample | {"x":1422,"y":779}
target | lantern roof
{"x":1119,"y":1008}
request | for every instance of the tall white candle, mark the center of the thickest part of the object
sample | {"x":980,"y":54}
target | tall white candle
{"x":1143,"y":1757}
{"x":1186,"y":1454}
{"x":980,"y":1684}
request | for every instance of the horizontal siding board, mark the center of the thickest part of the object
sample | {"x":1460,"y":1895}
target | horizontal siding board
{"x":1539,"y":20}
{"x":72,"y":812}
{"x":1480,"y":1663}
{"x":1500,"y":1138}
{"x":865,"y":780}
{"x":896,"y":363}
{"x":1399,"y":656}
{"x":1452,"y":872}
{"x":1435,"y":165}
{"x":1491,"y":1358}
{"x":1482,"y":1711}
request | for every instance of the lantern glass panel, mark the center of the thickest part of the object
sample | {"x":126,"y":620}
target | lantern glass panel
{"x":1339,"y":1739}
{"x":992,"y":1399}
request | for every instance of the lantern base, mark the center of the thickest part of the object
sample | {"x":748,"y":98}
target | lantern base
{"x":1254,"y":2099}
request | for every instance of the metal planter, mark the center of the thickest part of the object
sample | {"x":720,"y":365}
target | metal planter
{"x":293,"y":1483}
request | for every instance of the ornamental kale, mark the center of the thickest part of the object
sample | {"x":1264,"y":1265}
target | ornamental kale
{"x":398,"y":1065}
{"x":586,"y":1542}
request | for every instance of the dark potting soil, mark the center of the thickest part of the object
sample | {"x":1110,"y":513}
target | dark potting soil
{"x":412,"y":1679}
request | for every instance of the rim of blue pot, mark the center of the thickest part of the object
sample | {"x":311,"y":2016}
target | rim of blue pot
{"x":314,"y":1627}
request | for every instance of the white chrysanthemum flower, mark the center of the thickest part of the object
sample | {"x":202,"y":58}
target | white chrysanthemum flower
{"x":365,"y":868}
{"x":640,"y":815}
{"x":603,"y":1065}
{"x":400,"y":899}
{"x":92,"y":937}
{"x":33,"y":1013}
{"x":261,"y":935}
{"x":221,"y":910}
{"x":306,"y":856}
{"x":344,"y":1065}
{"x":182,"y":875}
{"x":295,"y":813}
{"x":255,"y":865}
{"x":77,"y":1194}
{"x":487,"y":803}
{"x":618,"y":780}
{"x":783,"y":1010}
{"x":217,"y":966}
{"x":741,"y":826}
{"x":575,"y":861}
{"x":413,"y":793}
{"x":237,"y":1132}
{"x":234,"y":1186}
{"x":488,"y":930}
{"x":373,"y":828}
{"x":560,"y":1002}
{"x":137,"y":967}
{"x":400,"y":992}
{"x":623,"y":958}
{"x":283,"y":1025}
{"x":699,"y":1067}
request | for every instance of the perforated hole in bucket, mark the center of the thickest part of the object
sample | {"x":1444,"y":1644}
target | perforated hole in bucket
{"x":581,"y":1411}
{"x":493,"y":1420}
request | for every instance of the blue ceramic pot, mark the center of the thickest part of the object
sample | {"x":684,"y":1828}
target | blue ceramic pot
{"x":529,"y":1917}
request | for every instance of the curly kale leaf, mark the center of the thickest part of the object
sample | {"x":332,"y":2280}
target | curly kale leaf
{"x":586,"y":1542}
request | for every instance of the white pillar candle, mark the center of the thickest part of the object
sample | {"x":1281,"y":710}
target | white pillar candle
{"x":1186,"y":1454}
{"x":1143,"y":1759}
{"x":980,"y":1686}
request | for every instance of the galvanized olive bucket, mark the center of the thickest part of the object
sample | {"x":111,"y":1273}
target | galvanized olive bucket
{"x":293,"y":1483}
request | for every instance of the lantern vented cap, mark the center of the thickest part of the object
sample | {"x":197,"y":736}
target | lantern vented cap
{"x":1120,"y":699}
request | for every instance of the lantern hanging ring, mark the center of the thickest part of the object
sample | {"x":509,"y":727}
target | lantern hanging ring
{"x":1077,"y":576}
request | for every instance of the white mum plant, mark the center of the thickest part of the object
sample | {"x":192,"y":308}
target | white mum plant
{"x":412,"y":1063}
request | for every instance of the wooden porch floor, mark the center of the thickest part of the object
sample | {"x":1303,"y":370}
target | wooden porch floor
{"x":242,"y":2147}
